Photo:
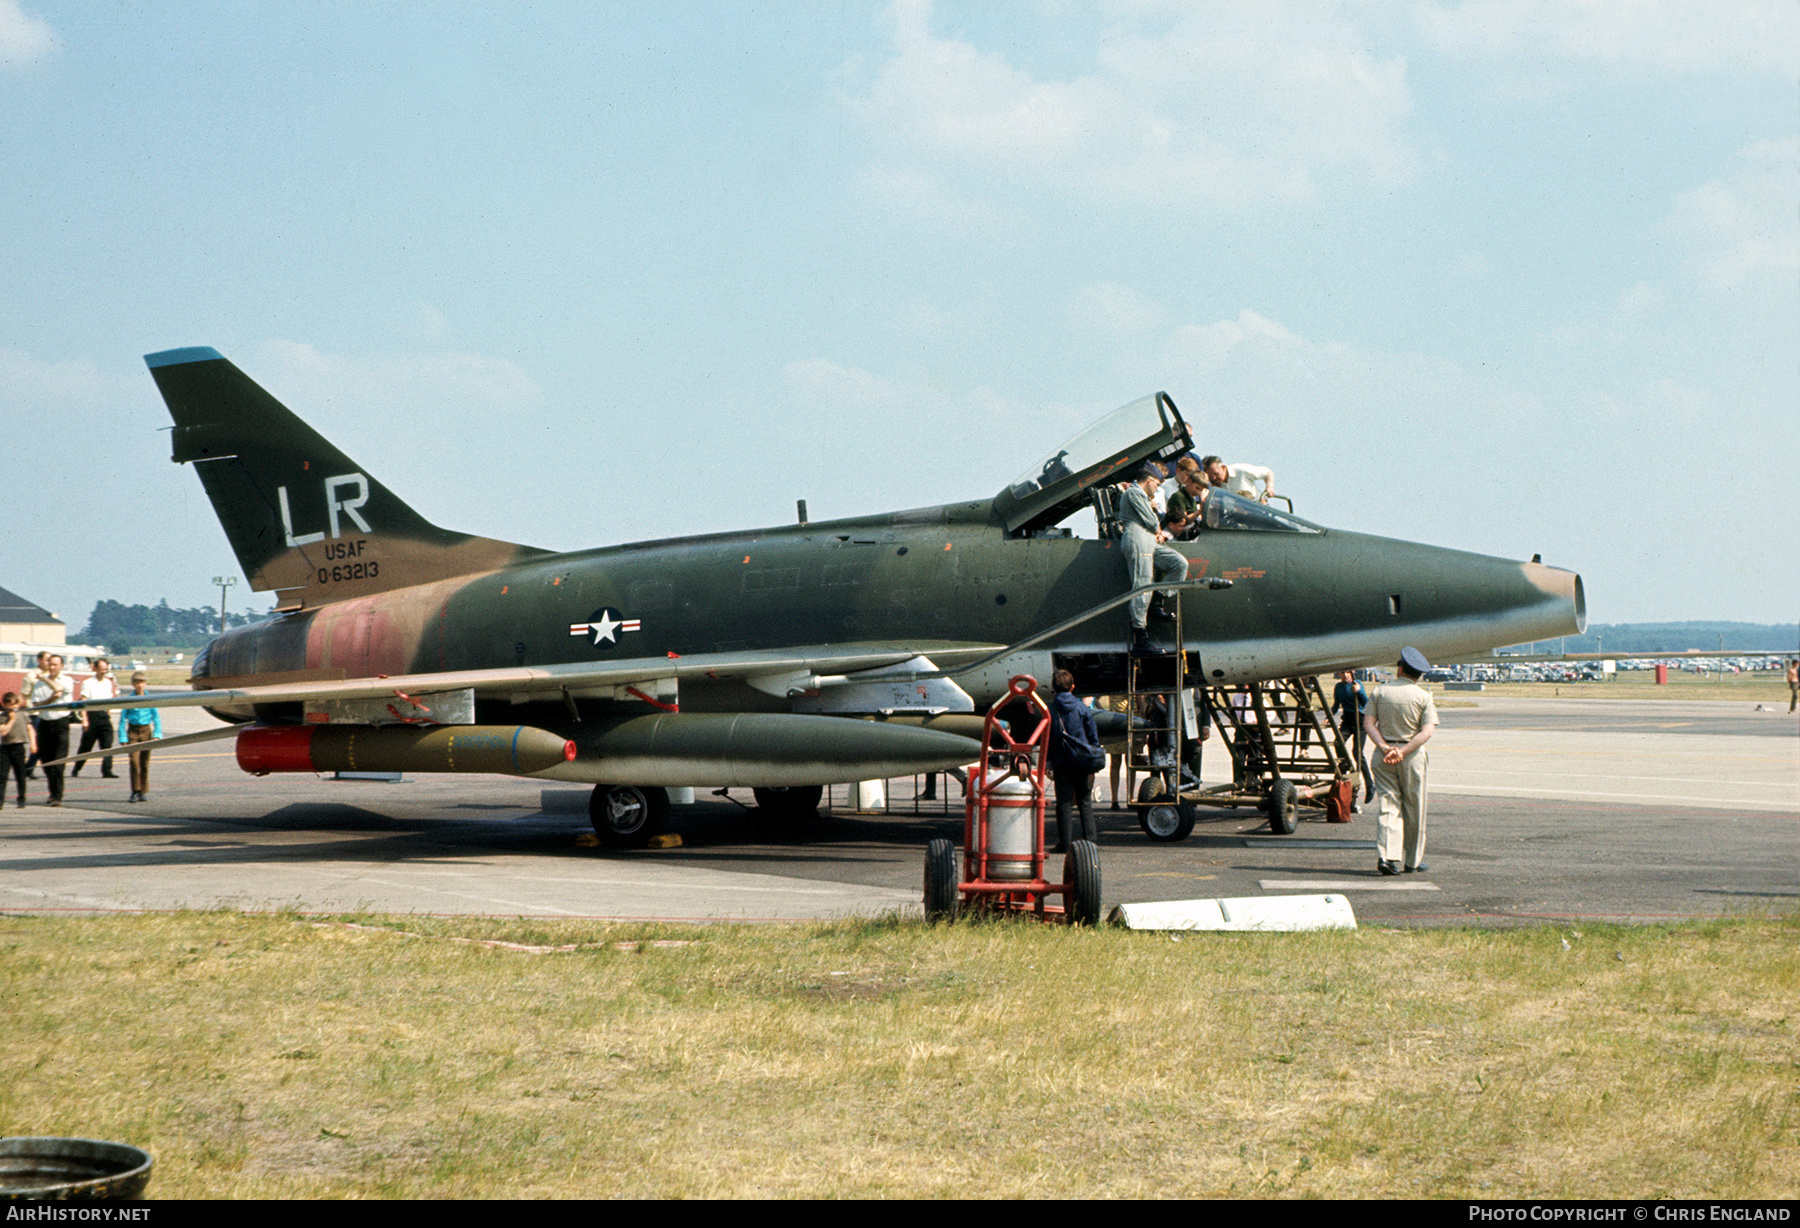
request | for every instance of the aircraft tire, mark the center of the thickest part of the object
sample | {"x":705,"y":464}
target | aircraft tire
{"x":941,"y":894}
{"x":1166,"y":819}
{"x":627,"y":816}
{"x":789,"y":805}
{"x":1081,"y":867}
{"x":1283,"y":807}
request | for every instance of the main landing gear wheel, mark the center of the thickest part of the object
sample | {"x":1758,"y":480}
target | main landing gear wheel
{"x":1166,"y":818}
{"x":1283,"y":807}
{"x":789,"y":805}
{"x":626,"y":816}
{"x":941,"y":895}
{"x":1082,"y":868}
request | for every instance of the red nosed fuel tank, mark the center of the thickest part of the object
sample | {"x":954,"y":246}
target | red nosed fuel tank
{"x":510,"y":750}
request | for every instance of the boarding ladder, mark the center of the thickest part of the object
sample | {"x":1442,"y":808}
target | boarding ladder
{"x":1285,"y":751}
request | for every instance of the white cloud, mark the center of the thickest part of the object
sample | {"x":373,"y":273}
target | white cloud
{"x":925,"y":442}
{"x":1228,"y":105}
{"x":67,"y":384}
{"x":858,"y":392}
{"x":1638,"y":303}
{"x":1209,"y":346}
{"x":1109,"y":307}
{"x":23,"y":38}
{"x":919,"y":193}
{"x":1678,"y":36}
{"x":400,"y":387}
{"x":431,"y":320}
{"x":1746,"y":225}
{"x":1695,"y":405}
{"x":857,"y":397}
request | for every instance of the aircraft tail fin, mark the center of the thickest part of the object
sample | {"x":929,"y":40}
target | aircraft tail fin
{"x":305,"y":520}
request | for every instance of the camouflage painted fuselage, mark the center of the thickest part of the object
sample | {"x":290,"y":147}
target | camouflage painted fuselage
{"x":937,"y":577}
{"x":777,"y":626}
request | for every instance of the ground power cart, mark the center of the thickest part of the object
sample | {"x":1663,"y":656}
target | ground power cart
{"x":1003,"y":830}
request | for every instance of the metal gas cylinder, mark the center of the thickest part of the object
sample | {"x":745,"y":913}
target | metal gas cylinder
{"x":1011,"y":825}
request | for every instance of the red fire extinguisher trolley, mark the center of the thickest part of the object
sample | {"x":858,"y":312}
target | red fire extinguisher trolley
{"x":1003,"y":831}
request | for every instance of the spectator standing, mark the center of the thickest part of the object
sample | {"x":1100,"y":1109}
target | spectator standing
{"x":17,"y":740}
{"x":1075,"y":756}
{"x":1349,"y":702}
{"x":141,"y":725}
{"x":53,"y":687}
{"x":31,"y":681}
{"x":1116,"y":749}
{"x":98,"y":724}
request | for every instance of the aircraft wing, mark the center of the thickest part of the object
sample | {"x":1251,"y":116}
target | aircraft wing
{"x":576,"y":679}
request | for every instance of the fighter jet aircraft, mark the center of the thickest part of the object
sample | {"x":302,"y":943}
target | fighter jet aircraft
{"x":732,"y":659}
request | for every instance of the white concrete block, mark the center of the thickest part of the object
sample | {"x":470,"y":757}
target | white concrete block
{"x":1291,"y":912}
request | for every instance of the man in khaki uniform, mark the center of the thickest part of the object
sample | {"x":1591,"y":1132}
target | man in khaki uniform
{"x":1399,"y":721}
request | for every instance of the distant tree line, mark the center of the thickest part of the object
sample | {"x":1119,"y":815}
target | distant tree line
{"x":1678,"y":637}
{"x":122,"y":627}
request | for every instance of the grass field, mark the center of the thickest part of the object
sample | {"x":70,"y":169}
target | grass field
{"x":280,"y":1056}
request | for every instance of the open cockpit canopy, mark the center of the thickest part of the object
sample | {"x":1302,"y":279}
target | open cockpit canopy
{"x":1150,"y":428}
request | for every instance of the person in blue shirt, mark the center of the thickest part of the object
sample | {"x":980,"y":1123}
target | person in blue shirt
{"x":141,"y":725}
{"x":1074,"y":750}
{"x":1348,"y":700}
{"x":1348,"y":703}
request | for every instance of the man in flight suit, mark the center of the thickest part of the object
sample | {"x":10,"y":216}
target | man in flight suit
{"x":1147,"y":557}
{"x":1399,"y":721}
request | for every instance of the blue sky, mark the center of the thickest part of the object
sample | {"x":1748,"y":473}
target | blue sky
{"x":1509,"y":275}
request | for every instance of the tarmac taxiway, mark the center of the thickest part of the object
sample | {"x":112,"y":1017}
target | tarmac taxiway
{"x":1541,"y":809}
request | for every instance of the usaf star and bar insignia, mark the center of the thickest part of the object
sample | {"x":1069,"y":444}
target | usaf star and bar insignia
{"x":605,"y":625}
